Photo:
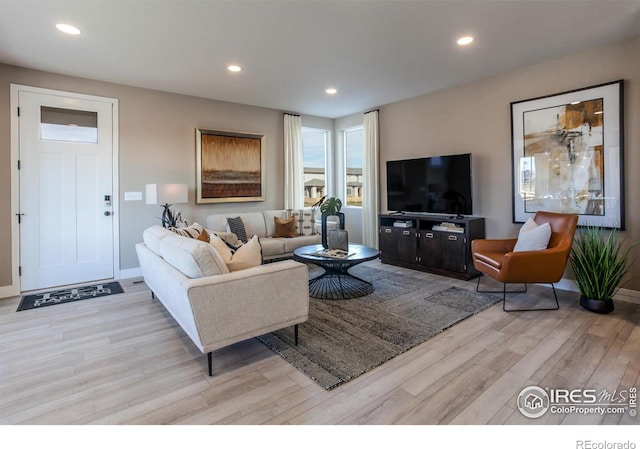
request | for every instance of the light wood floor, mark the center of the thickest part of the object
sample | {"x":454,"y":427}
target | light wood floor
{"x":123,"y":360}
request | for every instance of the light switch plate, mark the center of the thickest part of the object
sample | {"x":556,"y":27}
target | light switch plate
{"x":133,"y":196}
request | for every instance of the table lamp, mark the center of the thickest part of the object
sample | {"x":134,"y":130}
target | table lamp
{"x":167,"y":195}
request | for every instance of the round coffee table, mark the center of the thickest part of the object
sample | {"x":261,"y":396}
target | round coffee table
{"x":336,"y":282}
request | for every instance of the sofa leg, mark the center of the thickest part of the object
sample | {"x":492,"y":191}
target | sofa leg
{"x":210,"y":363}
{"x":295,"y":333}
{"x":153,"y":295}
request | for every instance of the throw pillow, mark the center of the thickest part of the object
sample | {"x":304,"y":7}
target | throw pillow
{"x":285,"y":228}
{"x":204,"y":236}
{"x":192,"y":231}
{"x":228,"y":238}
{"x":221,"y":246}
{"x":236,"y":225}
{"x":533,"y":237}
{"x":305,"y":221}
{"x":246,"y":256}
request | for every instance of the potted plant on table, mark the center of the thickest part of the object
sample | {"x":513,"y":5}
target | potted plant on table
{"x":599,"y":263}
{"x":328,"y":207}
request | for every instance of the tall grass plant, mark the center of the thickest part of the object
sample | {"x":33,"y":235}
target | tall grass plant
{"x":599,"y":261}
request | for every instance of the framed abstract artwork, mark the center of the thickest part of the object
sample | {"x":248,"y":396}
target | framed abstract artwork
{"x":229,"y":166}
{"x":567,"y":155}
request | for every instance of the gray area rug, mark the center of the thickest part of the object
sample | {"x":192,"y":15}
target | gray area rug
{"x":345,"y":338}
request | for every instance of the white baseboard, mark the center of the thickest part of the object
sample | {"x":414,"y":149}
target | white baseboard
{"x":9,"y":290}
{"x":632,"y":296}
{"x":130,"y":273}
{"x":624,"y":294}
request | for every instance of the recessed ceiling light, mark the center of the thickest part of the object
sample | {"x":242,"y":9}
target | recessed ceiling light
{"x":598,"y":112}
{"x":575,"y":102}
{"x":331,"y":91}
{"x":69,"y":29}
{"x":234,"y":68}
{"x":465,"y":40}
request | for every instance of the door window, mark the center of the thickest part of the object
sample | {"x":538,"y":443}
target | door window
{"x":68,"y":125}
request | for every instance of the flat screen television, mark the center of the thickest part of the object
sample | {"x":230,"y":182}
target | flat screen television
{"x":438,"y":184}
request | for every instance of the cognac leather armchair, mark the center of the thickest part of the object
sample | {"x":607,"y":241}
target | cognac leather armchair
{"x":496,"y":259}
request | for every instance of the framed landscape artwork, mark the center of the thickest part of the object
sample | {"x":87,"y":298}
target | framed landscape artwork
{"x":567,"y":155}
{"x":230,"y":166}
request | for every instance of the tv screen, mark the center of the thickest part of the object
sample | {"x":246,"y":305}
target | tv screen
{"x":439,"y":184}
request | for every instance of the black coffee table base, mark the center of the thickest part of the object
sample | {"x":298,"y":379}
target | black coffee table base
{"x":337,"y":283}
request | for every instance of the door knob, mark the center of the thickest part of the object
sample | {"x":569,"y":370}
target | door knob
{"x":107,"y":213}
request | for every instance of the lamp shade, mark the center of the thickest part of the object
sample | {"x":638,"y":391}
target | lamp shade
{"x":167,"y":193}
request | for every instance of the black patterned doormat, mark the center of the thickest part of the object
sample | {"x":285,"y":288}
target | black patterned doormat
{"x":69,"y":295}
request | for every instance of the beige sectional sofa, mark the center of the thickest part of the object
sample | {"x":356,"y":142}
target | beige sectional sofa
{"x":216,"y":307}
{"x":262,"y":224}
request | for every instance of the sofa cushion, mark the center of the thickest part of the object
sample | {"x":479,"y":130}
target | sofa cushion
{"x":217,"y":223}
{"x":253,"y":223}
{"x":285,"y":228}
{"x":292,"y":244}
{"x":195,"y":259}
{"x":153,"y":236}
{"x":272,"y":246}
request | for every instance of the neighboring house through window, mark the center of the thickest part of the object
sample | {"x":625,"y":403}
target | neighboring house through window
{"x":315,"y":144}
{"x":353,"y":152}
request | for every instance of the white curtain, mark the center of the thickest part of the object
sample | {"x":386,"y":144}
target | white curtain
{"x":293,"y":165}
{"x":370,"y":170}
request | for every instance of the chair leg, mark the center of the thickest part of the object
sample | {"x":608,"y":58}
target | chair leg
{"x":295,"y":333}
{"x":210,"y":363}
{"x":504,"y":297}
{"x":555,"y":297}
{"x":503,"y":291}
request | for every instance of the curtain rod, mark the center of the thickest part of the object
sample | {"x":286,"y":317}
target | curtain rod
{"x":294,"y":115}
{"x":373,"y":110}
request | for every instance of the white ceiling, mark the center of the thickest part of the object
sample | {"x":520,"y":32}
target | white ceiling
{"x":373,"y":52}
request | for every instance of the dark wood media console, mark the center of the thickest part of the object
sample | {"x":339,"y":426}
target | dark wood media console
{"x":411,"y":241}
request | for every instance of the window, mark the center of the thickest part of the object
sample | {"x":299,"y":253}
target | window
{"x":353,"y":152}
{"x":314,"y":156}
{"x":68,"y":125}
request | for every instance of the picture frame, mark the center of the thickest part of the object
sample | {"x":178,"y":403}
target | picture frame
{"x":567,"y":153}
{"x":229,"y":166}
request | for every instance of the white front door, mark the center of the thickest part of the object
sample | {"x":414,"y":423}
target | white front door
{"x":66,"y":189}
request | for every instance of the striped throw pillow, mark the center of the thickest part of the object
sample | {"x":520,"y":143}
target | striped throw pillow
{"x":236,"y":225}
{"x":192,"y":231}
{"x":305,"y":221}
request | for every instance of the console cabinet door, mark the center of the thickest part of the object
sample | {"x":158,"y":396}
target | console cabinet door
{"x":407,"y":245}
{"x":431,"y":249}
{"x":454,"y":252}
{"x":388,"y":243}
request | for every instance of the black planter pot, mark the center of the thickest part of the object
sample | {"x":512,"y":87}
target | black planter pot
{"x":597,"y":305}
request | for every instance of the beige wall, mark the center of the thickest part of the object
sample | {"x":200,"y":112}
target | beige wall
{"x":476,"y":118}
{"x":157,"y":144}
